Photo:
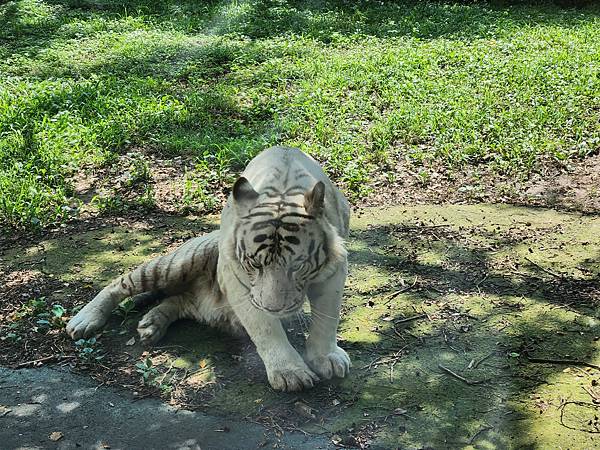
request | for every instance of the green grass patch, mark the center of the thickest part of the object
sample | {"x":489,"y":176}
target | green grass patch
{"x":356,"y":84}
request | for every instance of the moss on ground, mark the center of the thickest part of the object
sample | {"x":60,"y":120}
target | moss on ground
{"x":483,"y":291}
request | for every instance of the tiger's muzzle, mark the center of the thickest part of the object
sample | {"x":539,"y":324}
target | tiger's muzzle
{"x":276,"y":293}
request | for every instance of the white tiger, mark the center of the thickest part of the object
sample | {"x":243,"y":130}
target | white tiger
{"x":280,"y":241}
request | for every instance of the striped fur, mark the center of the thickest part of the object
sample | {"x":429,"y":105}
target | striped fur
{"x":281,"y":240}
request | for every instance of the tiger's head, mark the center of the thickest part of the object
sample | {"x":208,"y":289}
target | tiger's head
{"x":282,"y":242}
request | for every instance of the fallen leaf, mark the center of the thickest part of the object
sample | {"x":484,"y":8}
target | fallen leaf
{"x":335,"y":402}
{"x":56,"y":436}
{"x":202,"y":363}
{"x":130,"y":341}
{"x":399,"y":411}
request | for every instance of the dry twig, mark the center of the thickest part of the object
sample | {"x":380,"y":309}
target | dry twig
{"x":482,"y":360}
{"x":482,"y":430}
{"x":42,"y":360}
{"x":410,"y":319}
{"x":543,"y":269}
{"x":571,"y":362}
{"x":459,"y":377}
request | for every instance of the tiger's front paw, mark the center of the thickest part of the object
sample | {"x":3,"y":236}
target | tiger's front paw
{"x":335,"y":363}
{"x":292,"y":380}
{"x":86,"y":323}
{"x":290,"y":376}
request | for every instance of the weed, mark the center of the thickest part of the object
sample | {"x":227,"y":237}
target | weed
{"x":37,"y":309}
{"x":351,"y":83}
{"x":125,"y":308}
{"x":11,"y":336}
{"x":147,"y":370}
{"x":139,"y":172}
{"x":196,"y":191}
{"x":109,"y":204}
{"x":88,"y":350}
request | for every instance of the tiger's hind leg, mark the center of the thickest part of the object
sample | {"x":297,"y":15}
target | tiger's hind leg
{"x":155,"y":322}
{"x":171,"y":272}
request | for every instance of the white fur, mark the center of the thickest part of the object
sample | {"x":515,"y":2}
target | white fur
{"x":215,"y":292}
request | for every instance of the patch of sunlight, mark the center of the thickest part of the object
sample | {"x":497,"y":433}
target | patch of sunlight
{"x":366,"y":278}
{"x":227,"y":15}
{"x":40,"y":398}
{"x":36,"y":12}
{"x":25,"y":410}
{"x":68,"y":407}
{"x":544,"y":405}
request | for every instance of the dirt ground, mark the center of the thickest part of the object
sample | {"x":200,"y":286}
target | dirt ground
{"x":472,"y":326}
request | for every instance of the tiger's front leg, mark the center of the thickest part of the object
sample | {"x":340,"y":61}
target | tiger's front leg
{"x":322,"y":352}
{"x":286,"y":370}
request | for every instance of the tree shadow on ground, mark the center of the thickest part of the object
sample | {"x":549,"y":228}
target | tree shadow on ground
{"x":460,"y":294}
{"x":479,"y":309}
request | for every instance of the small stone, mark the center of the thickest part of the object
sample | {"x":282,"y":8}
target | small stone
{"x":56,"y":436}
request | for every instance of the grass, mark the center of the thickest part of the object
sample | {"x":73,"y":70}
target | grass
{"x":356,"y":84}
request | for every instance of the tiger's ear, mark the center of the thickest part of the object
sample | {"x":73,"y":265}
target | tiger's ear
{"x":244,"y":195}
{"x":315,"y":199}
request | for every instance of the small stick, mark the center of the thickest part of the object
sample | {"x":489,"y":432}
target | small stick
{"x":548,"y":271}
{"x":478,"y":433}
{"x":482,"y":360}
{"x":458,"y":377}
{"x":41,"y":360}
{"x":572,"y":362}
{"x":410,"y":319}
{"x":592,"y":394}
{"x":395,"y":294}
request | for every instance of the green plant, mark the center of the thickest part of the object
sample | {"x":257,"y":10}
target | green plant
{"x":147,"y":370}
{"x":139,"y":172}
{"x":196,"y":191}
{"x":125,"y":308}
{"x":11,"y":336}
{"x":146,"y":200}
{"x":52,"y":319}
{"x":111,"y":204}
{"x":88,"y":350}
{"x":152,"y":376}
